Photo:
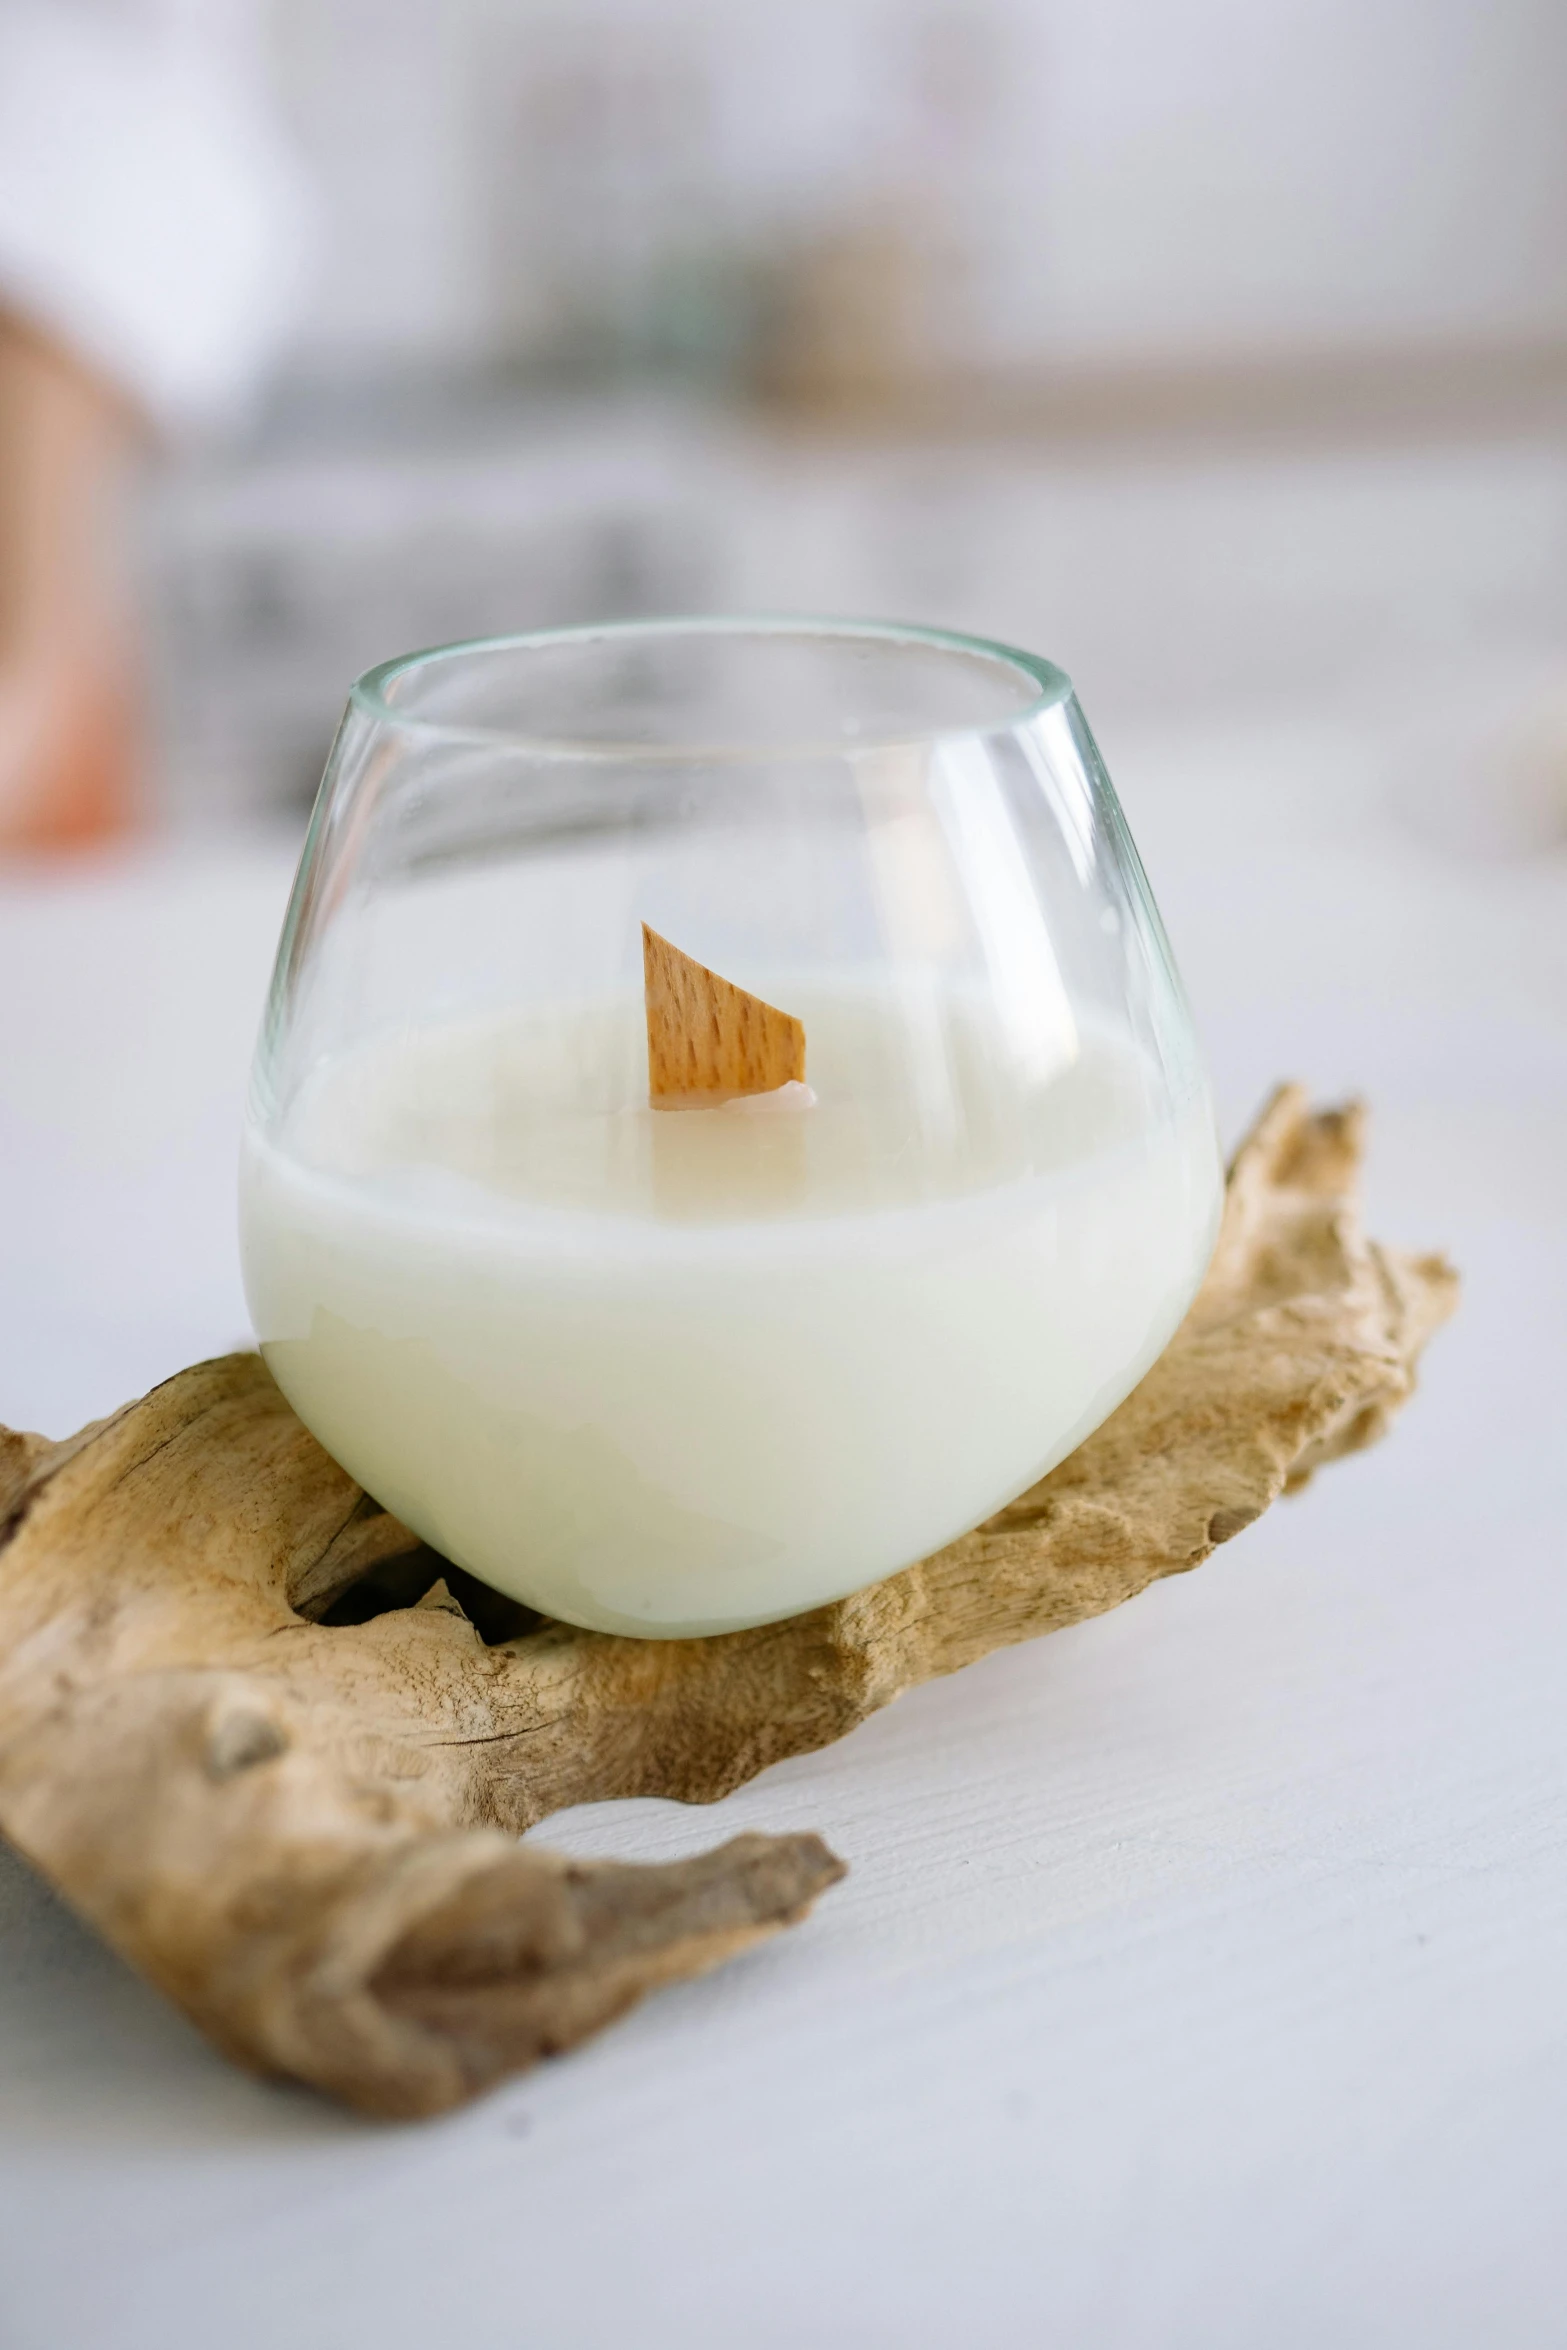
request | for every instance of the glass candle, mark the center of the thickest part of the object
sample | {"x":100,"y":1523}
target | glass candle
{"x":676,"y":1362}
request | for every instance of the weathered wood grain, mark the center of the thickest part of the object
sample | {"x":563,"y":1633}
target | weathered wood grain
{"x":303,"y":1830}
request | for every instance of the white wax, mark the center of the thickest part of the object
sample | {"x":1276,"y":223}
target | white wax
{"x":672,"y":1373}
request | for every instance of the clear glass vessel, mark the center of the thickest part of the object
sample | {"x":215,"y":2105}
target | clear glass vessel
{"x":671,"y":1372}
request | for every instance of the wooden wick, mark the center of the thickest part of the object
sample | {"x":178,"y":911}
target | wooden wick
{"x":708,"y":1042}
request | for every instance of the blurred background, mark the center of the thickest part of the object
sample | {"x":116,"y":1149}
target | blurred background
{"x":1216,"y":348}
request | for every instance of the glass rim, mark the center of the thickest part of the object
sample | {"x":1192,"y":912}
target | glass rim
{"x":369,"y":692}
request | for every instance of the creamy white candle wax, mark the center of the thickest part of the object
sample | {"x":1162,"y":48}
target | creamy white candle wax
{"x":676,"y":1373}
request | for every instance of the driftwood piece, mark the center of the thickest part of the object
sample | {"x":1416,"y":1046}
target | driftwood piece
{"x":708,"y":1042}
{"x":303,"y":1829}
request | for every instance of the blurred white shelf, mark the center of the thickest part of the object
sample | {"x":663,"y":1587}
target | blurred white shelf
{"x":1169,"y":580}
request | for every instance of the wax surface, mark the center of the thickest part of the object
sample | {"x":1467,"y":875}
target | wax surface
{"x":673,"y":1373}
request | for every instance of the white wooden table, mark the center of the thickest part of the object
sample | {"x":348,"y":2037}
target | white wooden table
{"x":1201,"y":1979}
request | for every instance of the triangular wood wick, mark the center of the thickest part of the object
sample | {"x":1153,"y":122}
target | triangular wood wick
{"x":708,"y":1042}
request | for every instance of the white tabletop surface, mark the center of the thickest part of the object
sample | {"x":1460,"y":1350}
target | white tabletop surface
{"x":1199,"y":1980}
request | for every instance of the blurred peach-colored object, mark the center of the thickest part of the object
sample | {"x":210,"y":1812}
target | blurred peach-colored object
{"x":152,"y":229}
{"x":69,"y":733}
